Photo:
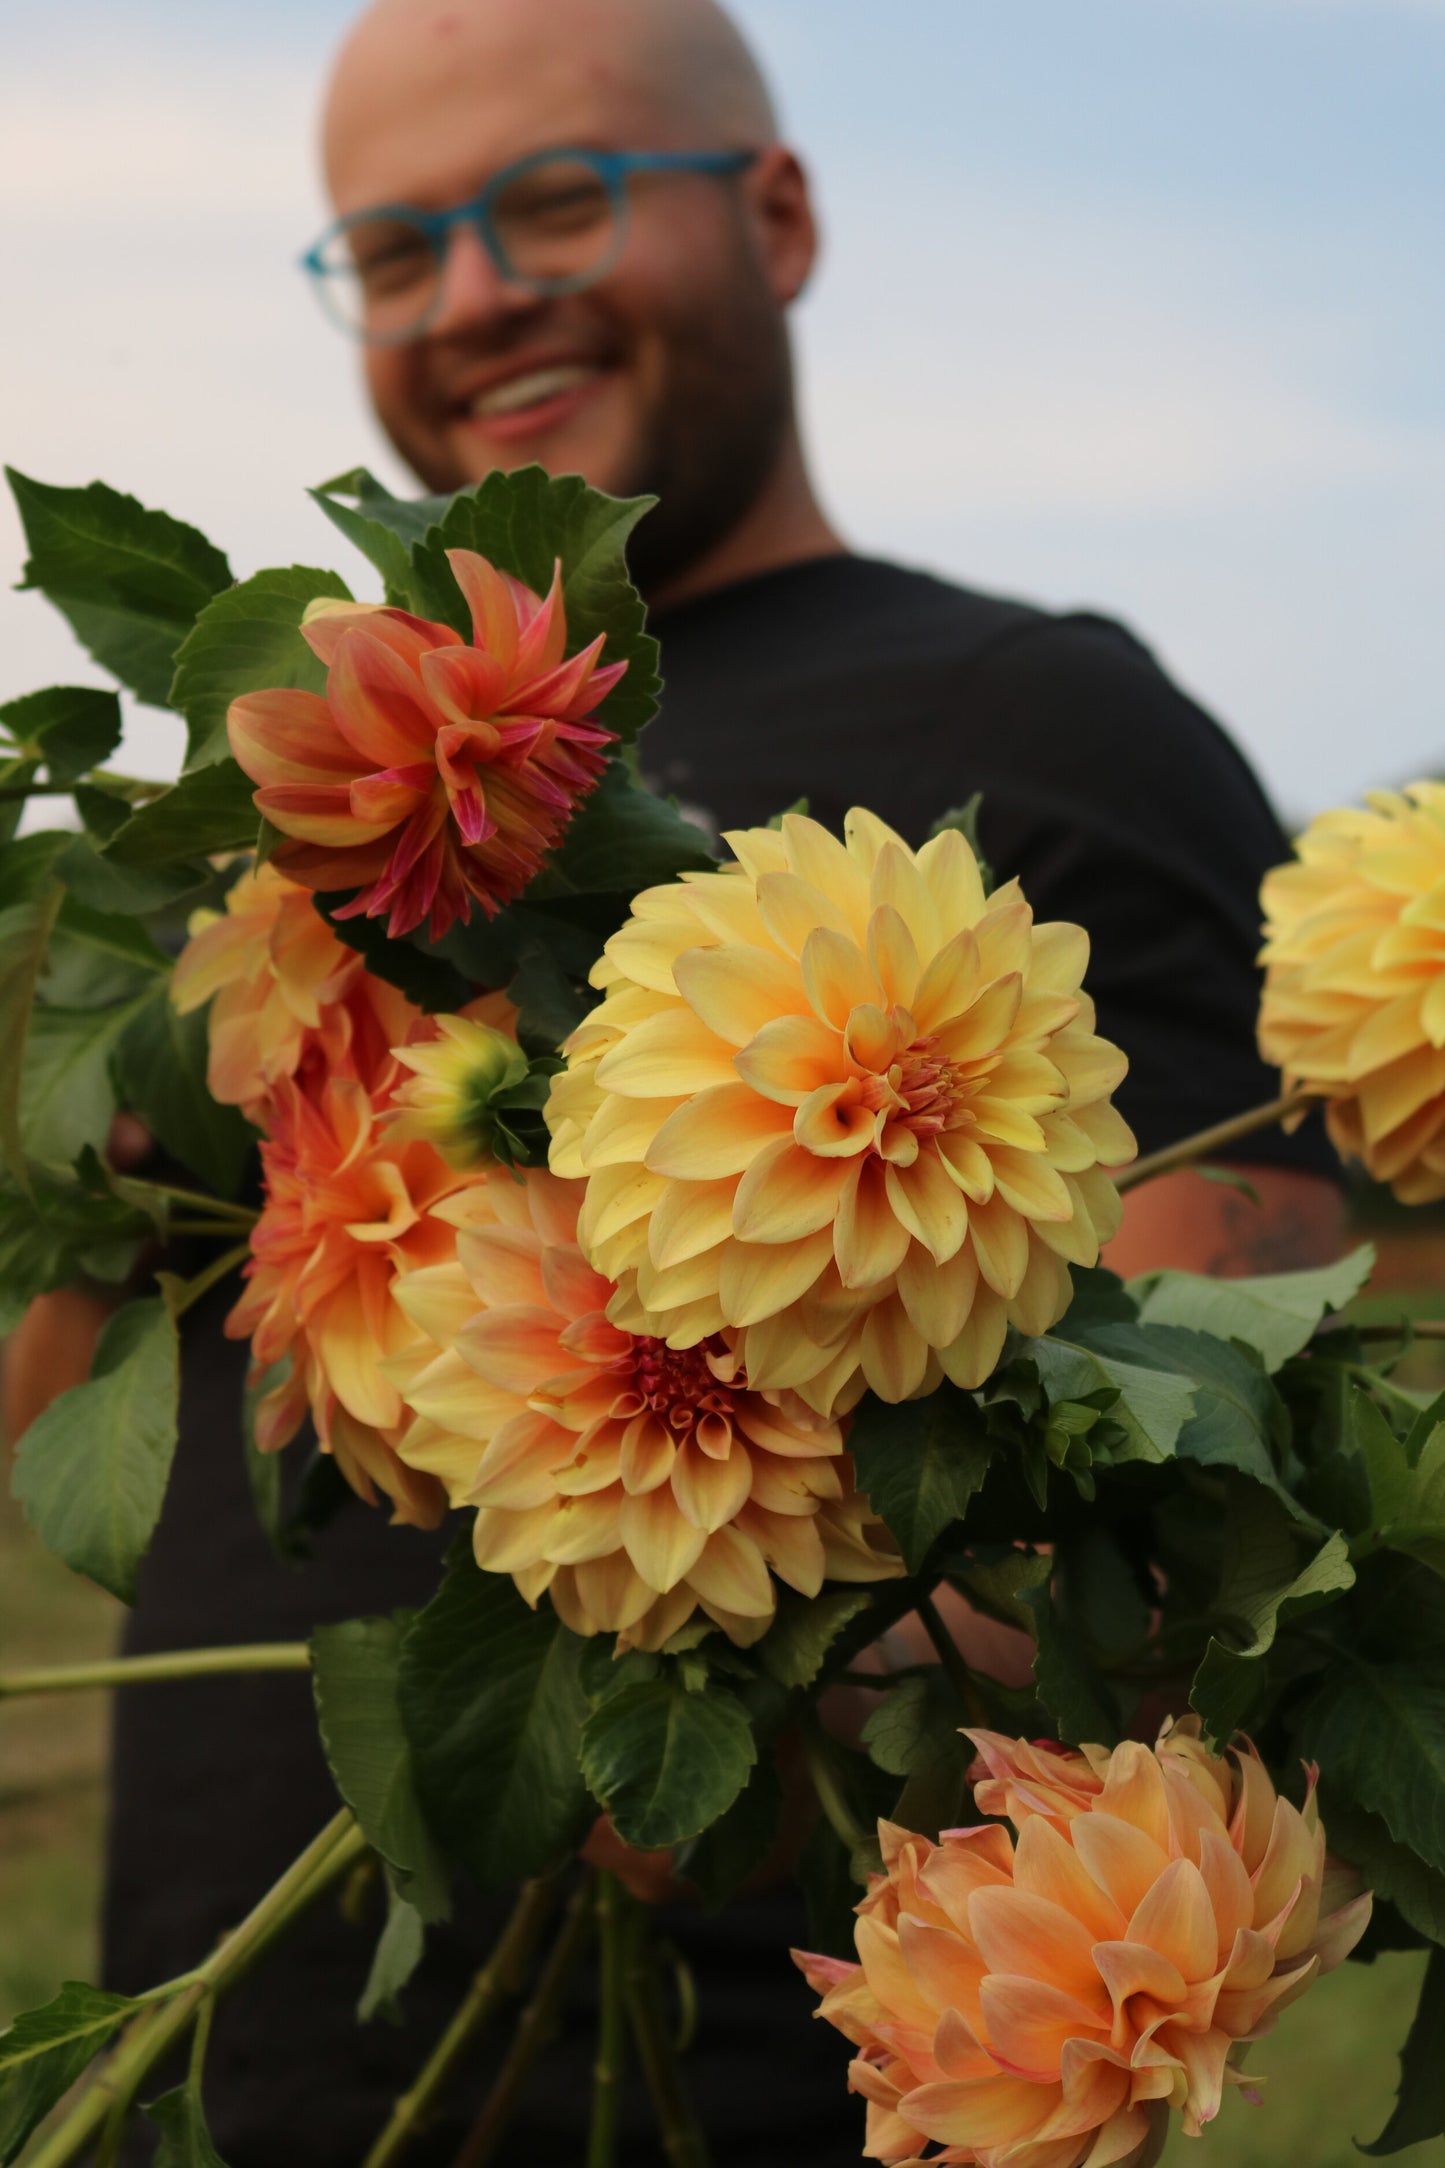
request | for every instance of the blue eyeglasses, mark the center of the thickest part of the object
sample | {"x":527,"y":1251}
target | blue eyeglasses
{"x":554,"y":223}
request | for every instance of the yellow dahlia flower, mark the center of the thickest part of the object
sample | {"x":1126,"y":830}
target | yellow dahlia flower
{"x":632,"y":1482}
{"x":1354,"y":991}
{"x":1044,"y":2000}
{"x":843,"y":1105}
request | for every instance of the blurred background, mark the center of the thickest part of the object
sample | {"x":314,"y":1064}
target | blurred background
{"x":1134,"y":304}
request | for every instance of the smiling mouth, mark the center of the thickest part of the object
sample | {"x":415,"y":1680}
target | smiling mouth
{"x":533,"y":388}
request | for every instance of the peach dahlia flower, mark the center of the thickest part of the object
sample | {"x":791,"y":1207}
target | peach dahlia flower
{"x":348,"y":1205}
{"x":1043,"y":2000}
{"x":1354,"y":991}
{"x":287,"y":997}
{"x":632,"y":1482}
{"x":843,"y":1105}
{"x":434,"y":774}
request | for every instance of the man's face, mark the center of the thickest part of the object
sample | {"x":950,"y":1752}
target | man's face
{"x":669,"y":376}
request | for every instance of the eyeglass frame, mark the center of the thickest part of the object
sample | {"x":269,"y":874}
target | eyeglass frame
{"x":613,"y":169}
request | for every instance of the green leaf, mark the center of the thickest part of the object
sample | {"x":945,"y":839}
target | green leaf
{"x":131,"y":581}
{"x":126,"y":891}
{"x":1391,"y":1870}
{"x":1419,"y":2112}
{"x":30,"y":899}
{"x":1239,"y":1420}
{"x":1377,"y":1731}
{"x":67,"y":1096}
{"x":920,"y":1463}
{"x":16,"y":777}
{"x":59,"y":1231}
{"x":1262,"y":1586}
{"x":44,"y":2052}
{"x":208,"y":810}
{"x":97,"y":959}
{"x":355,"y":1668}
{"x":72,"y":728}
{"x":665,"y":1764}
{"x":736,"y":1845}
{"x":247,"y":640}
{"x":914,"y":1733}
{"x":525,"y":521}
{"x":384,"y":528}
{"x":1075,"y":1695}
{"x":398,"y":1953}
{"x":181,"y":2121}
{"x":91,"y":1471}
{"x":161,"y":1067}
{"x":793,"y":1649}
{"x":1276,"y":1314}
{"x":997,"y":1582}
{"x":423,"y":974}
{"x":1407,"y":1502}
{"x":1153,"y":1402}
{"x":623,"y":838}
{"x":493,"y":1706}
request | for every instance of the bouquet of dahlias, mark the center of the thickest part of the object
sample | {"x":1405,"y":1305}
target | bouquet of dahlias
{"x":717,"y":1234}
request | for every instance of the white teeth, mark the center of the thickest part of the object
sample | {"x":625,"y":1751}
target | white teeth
{"x":533,"y":388}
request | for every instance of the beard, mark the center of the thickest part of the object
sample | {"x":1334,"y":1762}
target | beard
{"x":714,"y":438}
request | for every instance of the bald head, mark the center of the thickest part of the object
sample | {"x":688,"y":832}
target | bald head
{"x":676,"y":73}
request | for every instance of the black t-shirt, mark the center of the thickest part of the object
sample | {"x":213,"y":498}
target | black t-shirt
{"x":1122,"y":806}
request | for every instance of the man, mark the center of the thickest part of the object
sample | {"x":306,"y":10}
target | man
{"x":632,"y":327}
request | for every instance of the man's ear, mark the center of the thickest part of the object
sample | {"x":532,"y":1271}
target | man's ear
{"x":782,"y":211}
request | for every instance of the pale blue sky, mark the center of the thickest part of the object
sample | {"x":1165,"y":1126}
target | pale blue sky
{"x":1136,"y":303}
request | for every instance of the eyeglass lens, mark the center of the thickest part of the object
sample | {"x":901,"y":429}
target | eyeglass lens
{"x":553,"y":225}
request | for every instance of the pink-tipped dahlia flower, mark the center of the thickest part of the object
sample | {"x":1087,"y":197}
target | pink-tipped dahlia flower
{"x":842,"y":1105}
{"x":631,"y":1482}
{"x":349,"y":1204}
{"x":288,"y":999}
{"x":1044,"y":2000}
{"x":434,"y":773}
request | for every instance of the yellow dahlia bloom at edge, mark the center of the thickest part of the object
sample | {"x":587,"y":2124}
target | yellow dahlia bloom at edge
{"x":632,"y":1483}
{"x":1354,"y":993}
{"x":1043,"y":1999}
{"x":842,"y":1105}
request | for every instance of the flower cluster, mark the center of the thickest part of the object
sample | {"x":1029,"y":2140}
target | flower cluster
{"x":434,"y":773}
{"x":315,"y":1050}
{"x":1043,"y":1999}
{"x":1354,"y":995}
{"x":844,"y":1106}
{"x":632,"y":1482}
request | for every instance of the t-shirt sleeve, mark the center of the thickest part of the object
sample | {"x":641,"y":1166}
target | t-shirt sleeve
{"x":1139,"y":820}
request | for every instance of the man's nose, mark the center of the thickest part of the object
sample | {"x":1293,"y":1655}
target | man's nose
{"x":474,"y":290}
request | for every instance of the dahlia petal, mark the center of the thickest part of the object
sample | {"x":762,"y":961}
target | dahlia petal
{"x":318,"y":813}
{"x":377,"y":703}
{"x":711,"y":1492}
{"x":515,"y":1347}
{"x":937,"y":1297}
{"x":464,"y":684}
{"x":1018,"y":1932}
{"x":284,"y":736}
{"x":897,"y":889}
{"x":892,"y":954}
{"x":969,"y":1358}
{"x":894,"y":1354}
{"x":1049,"y":1866}
{"x":954,"y":882}
{"x":982,"y":2112}
{"x":1000,"y":1241}
{"x":828,"y":866}
{"x":1027,"y":2022}
{"x":756,"y":1280}
{"x":1123,"y":1860}
{"x":689,"y":1218}
{"x":718,"y":1133}
{"x":925,"y":1199}
{"x":835,"y":1122}
{"x":736,"y":989}
{"x":787,"y":1193}
{"x":792,"y":910}
{"x":729,"y":1573}
{"x":490,"y":597}
{"x":1176,"y":1918}
{"x":668,"y":1055}
{"x":869,"y":1242}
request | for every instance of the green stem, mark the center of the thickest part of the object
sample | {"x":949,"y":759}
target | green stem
{"x":175,"y":1664}
{"x":836,"y":1810}
{"x":212,"y":1207}
{"x":1210,"y":1143}
{"x":611,"y":2024}
{"x":498,"y":1980}
{"x":682,"y":2140}
{"x":535,"y":2028}
{"x":962,"y":1680}
{"x":158,"y":2029}
{"x":180,"y":1294}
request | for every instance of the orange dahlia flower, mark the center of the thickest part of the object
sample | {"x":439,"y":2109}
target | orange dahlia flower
{"x":348,"y":1205}
{"x":632,"y":1482}
{"x":1354,"y":992}
{"x":843,"y":1105}
{"x":434,"y":774}
{"x":288,"y":999}
{"x":1043,"y":2000}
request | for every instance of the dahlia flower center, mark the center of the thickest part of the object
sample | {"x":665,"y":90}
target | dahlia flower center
{"x":920,"y":1090}
{"x":681,"y":1386}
